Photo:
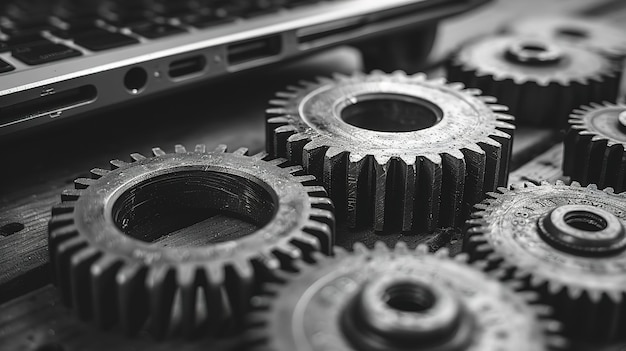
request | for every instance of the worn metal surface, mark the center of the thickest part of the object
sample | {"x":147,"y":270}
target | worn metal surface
{"x":540,"y":79}
{"x":595,"y":146}
{"x":109,"y":269}
{"x":399,"y":299}
{"x":566,"y":242}
{"x":395,"y":151}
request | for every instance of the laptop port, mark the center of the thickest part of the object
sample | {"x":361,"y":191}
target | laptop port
{"x":50,"y":103}
{"x":255,"y":49}
{"x":187,"y":66}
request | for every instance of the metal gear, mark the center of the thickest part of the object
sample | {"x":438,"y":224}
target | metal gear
{"x":111,"y":277}
{"x":398,"y":300}
{"x":595,"y":146}
{"x":394,"y":150}
{"x":596,"y":35}
{"x":568,"y":243}
{"x":540,"y":80}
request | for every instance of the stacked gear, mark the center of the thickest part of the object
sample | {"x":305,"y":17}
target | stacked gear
{"x":568,"y":243}
{"x":600,"y":36}
{"x":595,"y":146}
{"x":402,"y":299}
{"x":109,"y":274}
{"x":394,"y":150}
{"x":540,"y":80}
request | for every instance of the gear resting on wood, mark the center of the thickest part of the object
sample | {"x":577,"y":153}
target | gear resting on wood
{"x":108,"y":274}
{"x":568,"y":243}
{"x":540,"y":80}
{"x":595,"y":146}
{"x":394,"y":300}
{"x":394,"y":151}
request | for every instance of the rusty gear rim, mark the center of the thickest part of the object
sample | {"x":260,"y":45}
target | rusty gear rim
{"x":595,"y":146}
{"x":566,"y":242}
{"x":426,"y":173}
{"x":112,"y":278}
{"x":536,"y":77}
{"x":600,"y":36}
{"x":398,"y":300}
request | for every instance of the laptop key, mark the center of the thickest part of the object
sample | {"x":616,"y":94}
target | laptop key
{"x":29,"y":39}
{"x":156,"y":30}
{"x":5,"y":66}
{"x":204,"y":21}
{"x":100,"y":39}
{"x":43,"y":53}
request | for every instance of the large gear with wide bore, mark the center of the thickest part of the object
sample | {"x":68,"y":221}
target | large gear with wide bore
{"x":111,"y":276}
{"x":398,"y":300}
{"x":594,"y":149}
{"x":566,"y":242}
{"x":394,"y":151}
{"x":541,"y":80}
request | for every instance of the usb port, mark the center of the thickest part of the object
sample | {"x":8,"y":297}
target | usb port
{"x":255,"y":49}
{"x":187,"y":66}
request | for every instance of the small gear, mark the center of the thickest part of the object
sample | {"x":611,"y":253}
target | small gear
{"x":110,"y":275}
{"x":596,"y":35}
{"x":402,"y":299}
{"x":540,"y":80}
{"x":394,"y":150}
{"x":595,"y":146}
{"x":568,"y":243}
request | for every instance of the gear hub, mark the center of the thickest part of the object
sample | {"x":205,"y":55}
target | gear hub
{"x":568,"y":243}
{"x":540,"y":80}
{"x":384,"y":300}
{"x":595,"y":146}
{"x":111,"y":271}
{"x":600,"y":36}
{"x":394,"y":151}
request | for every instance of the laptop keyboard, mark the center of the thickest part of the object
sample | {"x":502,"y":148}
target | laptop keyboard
{"x":30,"y":29}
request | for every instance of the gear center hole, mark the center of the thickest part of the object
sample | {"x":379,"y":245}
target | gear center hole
{"x":390,"y":112}
{"x":193,"y":208}
{"x":572,"y":33}
{"x":409,"y":297}
{"x":586,"y":221}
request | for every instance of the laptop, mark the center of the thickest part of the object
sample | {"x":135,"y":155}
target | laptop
{"x":65,"y":58}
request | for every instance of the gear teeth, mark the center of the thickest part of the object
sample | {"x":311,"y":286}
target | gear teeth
{"x":221,"y":148}
{"x":142,"y":292}
{"x":97,"y":173}
{"x":409,"y":191}
{"x":278,"y":299}
{"x":588,"y":312}
{"x":137,"y":157}
{"x":115,"y":164}
{"x":179,"y":149}
{"x":200,"y":148}
{"x":83,"y":183}
{"x":595,"y":146}
{"x":533,"y":96}
{"x":157,"y":151}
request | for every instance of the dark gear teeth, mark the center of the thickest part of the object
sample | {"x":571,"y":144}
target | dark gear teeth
{"x":568,"y":243}
{"x":112,"y":278}
{"x":540,"y":80}
{"x":596,"y":35}
{"x":395,"y":152}
{"x":595,"y":146}
{"x":393,"y":300}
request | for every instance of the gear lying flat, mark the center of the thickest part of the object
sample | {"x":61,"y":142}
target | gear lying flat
{"x":394,"y":151}
{"x":111,"y":277}
{"x":403,"y":299}
{"x":600,"y":36}
{"x":595,"y":146}
{"x":566,"y":242}
{"x":540,"y":80}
